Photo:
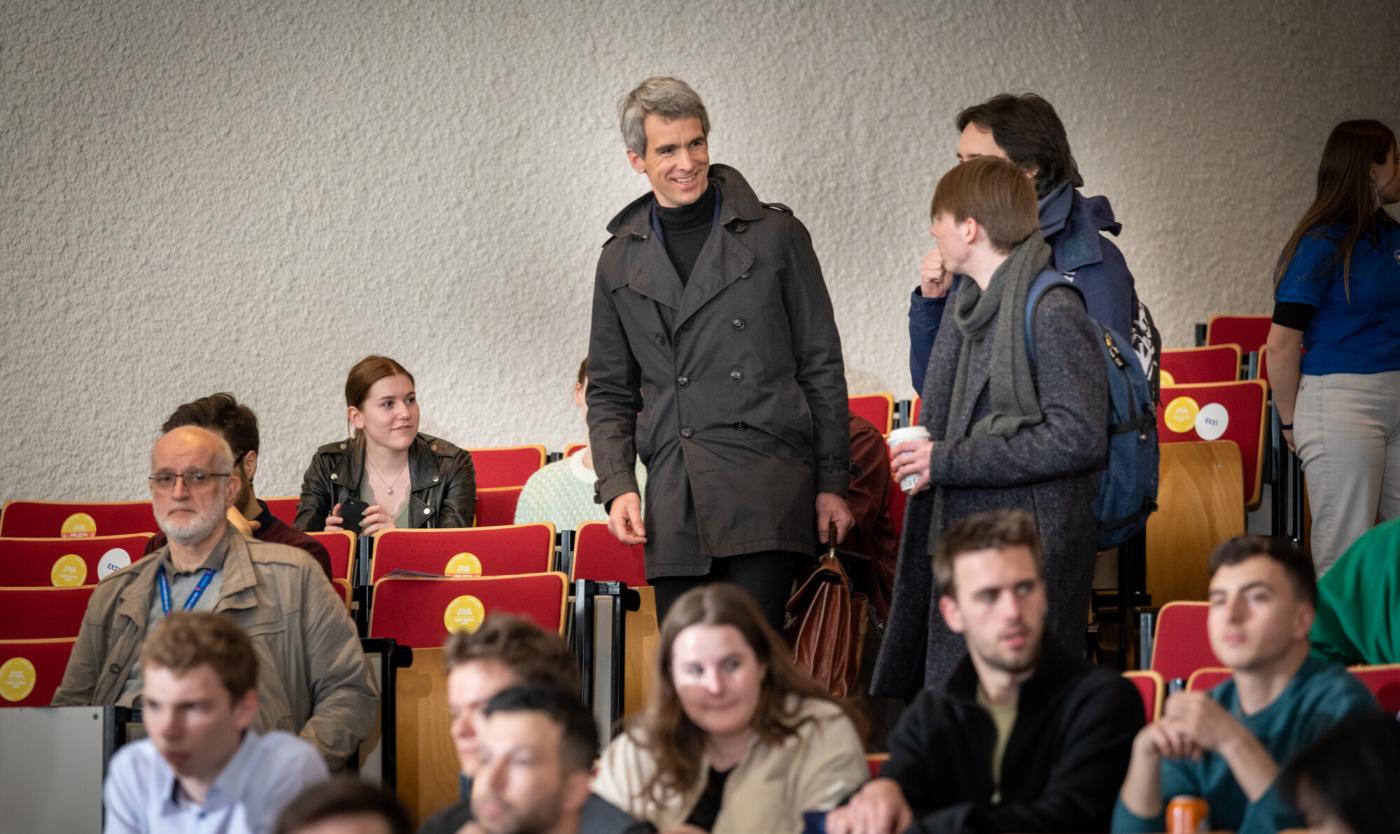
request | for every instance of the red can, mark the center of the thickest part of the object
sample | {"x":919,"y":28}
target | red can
{"x":1188,"y":815}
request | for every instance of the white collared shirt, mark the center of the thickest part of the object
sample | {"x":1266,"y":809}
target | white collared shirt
{"x":266,"y":773}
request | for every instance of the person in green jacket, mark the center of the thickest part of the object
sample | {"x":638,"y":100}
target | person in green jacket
{"x":1356,"y":601}
{"x":1228,"y":745}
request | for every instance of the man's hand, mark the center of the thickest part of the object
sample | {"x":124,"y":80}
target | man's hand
{"x":912,"y":458}
{"x":1196,"y":717}
{"x":1159,"y":740}
{"x":832,"y":509}
{"x":933,"y":280}
{"x":625,"y":519}
{"x":877,"y":808}
{"x":246,"y":526}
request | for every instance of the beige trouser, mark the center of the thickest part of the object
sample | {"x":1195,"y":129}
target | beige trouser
{"x":1347,"y":431}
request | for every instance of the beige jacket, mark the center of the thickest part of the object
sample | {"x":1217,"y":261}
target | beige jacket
{"x":766,"y":792}
{"x":313,"y":678}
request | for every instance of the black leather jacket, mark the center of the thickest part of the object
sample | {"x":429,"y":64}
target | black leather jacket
{"x":441,"y":475}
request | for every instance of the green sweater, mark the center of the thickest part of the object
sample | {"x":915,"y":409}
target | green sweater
{"x":1357,"y":618}
{"x":1316,"y":699}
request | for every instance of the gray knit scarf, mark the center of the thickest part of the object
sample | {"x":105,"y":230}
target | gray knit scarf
{"x":1002,"y":308}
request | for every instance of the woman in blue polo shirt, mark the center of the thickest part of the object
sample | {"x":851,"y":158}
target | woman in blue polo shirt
{"x":1334,"y":347}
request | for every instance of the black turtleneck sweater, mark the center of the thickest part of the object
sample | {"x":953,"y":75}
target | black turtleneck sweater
{"x":685,"y":229}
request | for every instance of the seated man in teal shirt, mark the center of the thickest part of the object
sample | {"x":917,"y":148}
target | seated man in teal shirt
{"x":1227,"y":746}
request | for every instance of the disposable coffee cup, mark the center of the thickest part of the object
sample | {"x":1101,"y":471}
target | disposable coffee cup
{"x":905,"y":435}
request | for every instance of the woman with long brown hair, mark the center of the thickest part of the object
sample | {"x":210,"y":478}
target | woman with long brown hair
{"x":386,"y":474}
{"x":735,"y":738}
{"x":1337,"y":296}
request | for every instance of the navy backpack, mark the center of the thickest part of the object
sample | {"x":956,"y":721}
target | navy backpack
{"x":1128,"y":485}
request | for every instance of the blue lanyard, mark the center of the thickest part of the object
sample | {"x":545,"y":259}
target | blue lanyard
{"x":164,"y":585}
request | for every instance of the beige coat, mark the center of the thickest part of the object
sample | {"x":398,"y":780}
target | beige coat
{"x":313,"y":678}
{"x":766,"y":792}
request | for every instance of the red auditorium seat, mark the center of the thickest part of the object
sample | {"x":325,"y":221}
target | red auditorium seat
{"x":76,"y":519}
{"x":340,"y":544}
{"x":65,"y":563}
{"x":877,"y":408}
{"x":1151,"y":688}
{"x":283,"y":508}
{"x":599,"y":556}
{"x":31,"y":670}
{"x":1207,"y":678}
{"x":1213,"y":363}
{"x":42,"y":613}
{"x":1182,"y":644}
{"x":1249,"y":332}
{"x":496,"y":506}
{"x":1234,"y":411}
{"x":465,"y":551}
{"x":416,"y":611}
{"x":1384,"y":682}
{"x":506,"y":466}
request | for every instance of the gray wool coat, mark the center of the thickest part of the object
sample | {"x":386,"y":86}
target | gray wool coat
{"x":730,"y":387}
{"x":1049,"y":469}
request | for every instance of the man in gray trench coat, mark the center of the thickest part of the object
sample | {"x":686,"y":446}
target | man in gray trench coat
{"x":714,"y":356}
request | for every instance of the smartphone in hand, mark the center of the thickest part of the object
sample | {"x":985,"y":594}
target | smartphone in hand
{"x":352,"y":512}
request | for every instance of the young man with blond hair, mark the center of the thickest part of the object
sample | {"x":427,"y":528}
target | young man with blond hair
{"x":1004,"y":431}
{"x":202,"y":767}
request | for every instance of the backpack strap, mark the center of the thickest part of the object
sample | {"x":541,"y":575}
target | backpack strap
{"x":1045,"y":280}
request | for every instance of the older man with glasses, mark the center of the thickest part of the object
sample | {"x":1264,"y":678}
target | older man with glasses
{"x":313,"y":678}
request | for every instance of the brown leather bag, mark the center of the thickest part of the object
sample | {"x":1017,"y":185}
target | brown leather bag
{"x":826,"y":624}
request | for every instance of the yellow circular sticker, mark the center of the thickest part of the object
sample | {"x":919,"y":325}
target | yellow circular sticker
{"x":463,"y":564}
{"x":1167,"y":378}
{"x":465,"y":613}
{"x":1180,"y":415}
{"x":17,"y":677}
{"x":78,"y":526}
{"x":68,"y":571}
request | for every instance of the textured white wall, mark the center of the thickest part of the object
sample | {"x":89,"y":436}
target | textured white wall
{"x":249,"y":196}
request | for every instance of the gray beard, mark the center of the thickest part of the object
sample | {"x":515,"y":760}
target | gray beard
{"x":196,"y":532}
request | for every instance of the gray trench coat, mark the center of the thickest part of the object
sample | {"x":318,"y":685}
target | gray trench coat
{"x":730,"y":387}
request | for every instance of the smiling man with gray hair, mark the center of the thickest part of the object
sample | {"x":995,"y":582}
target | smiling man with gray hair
{"x":313,"y":678}
{"x":710,"y":307}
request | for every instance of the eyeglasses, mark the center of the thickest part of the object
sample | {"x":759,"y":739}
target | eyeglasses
{"x":195,"y":479}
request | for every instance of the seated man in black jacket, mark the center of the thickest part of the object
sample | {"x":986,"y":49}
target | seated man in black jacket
{"x":1025,"y":736}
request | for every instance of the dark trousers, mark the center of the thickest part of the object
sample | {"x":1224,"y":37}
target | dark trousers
{"x":767,"y":576}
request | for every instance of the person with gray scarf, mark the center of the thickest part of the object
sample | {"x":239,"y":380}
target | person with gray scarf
{"x":1004,"y":434}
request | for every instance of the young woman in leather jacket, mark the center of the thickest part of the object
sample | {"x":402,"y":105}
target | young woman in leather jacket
{"x":407,"y":479}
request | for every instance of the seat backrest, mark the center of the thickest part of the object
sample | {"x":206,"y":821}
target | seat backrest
{"x":65,"y":563}
{"x":573,"y":447}
{"x":76,"y":519}
{"x":42,"y":613}
{"x":283,"y":508}
{"x":1151,"y":688}
{"x":599,"y":556}
{"x":1212,"y":363}
{"x":1198,"y":506}
{"x":1234,"y":411}
{"x":1182,"y":645}
{"x":465,"y":551}
{"x":31,"y":670}
{"x":1207,"y":678}
{"x":875,"y":761}
{"x":342,"y":587}
{"x":496,"y":506}
{"x":877,"y":408}
{"x":340,"y":544}
{"x":1384,"y":682}
{"x":504,"y":466}
{"x":1249,"y":332}
{"x":420,"y":612}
